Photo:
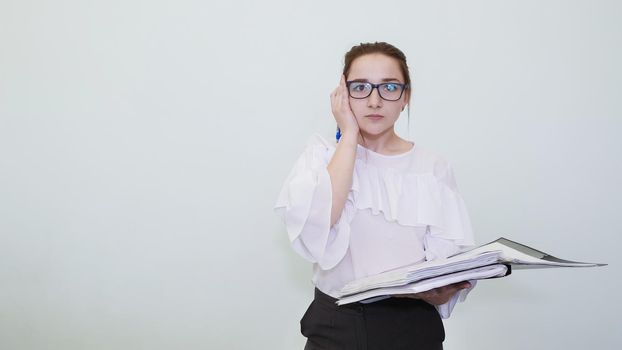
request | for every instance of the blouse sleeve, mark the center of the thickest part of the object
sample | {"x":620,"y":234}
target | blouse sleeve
{"x":304,"y":204}
{"x":453,"y":235}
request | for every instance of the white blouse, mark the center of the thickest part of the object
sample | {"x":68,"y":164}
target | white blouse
{"x":401,"y":209}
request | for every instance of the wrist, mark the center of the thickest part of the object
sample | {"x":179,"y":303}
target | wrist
{"x":349,"y":136}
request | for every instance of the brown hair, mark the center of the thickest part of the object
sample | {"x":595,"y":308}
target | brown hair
{"x":377,"y":47}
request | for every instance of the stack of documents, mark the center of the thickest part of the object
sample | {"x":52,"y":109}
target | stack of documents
{"x":492,"y":260}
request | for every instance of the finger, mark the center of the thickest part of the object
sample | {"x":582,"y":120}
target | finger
{"x":411,"y":296}
{"x":462,"y":285}
{"x":342,"y":84}
{"x":345,"y":95}
{"x":429,"y":293}
{"x":452,"y":288}
{"x":335,"y":91}
{"x":336,"y":95}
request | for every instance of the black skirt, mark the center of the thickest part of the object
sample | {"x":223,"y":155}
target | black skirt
{"x":389,"y":324}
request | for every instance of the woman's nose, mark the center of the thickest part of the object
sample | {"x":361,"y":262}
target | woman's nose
{"x":374,"y":100}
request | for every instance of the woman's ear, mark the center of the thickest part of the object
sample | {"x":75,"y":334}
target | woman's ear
{"x":406,"y":99}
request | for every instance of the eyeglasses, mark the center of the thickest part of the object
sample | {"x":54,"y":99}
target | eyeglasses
{"x":387,"y":91}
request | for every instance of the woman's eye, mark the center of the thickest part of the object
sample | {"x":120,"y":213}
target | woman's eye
{"x":359,"y":87}
{"x":391,"y":87}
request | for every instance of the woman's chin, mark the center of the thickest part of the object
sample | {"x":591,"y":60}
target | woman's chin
{"x":374,"y":131}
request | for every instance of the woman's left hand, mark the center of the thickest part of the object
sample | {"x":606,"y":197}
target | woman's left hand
{"x":437,"y":296}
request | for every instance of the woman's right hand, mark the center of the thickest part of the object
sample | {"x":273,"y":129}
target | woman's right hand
{"x":438,"y":296}
{"x":340,"y":104}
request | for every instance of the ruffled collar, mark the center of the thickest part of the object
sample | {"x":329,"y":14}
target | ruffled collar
{"x":368,"y":156}
{"x":376,"y":154}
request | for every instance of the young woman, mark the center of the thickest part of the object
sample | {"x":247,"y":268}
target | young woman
{"x":370,"y":203}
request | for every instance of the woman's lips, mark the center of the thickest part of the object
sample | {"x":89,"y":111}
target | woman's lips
{"x":374,"y":116}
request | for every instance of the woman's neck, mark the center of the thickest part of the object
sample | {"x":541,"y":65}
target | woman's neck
{"x":385,"y":143}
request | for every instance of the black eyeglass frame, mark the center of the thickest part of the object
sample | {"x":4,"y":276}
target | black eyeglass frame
{"x":376,"y":86}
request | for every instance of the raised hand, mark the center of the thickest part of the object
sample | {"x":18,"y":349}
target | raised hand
{"x":340,"y":105}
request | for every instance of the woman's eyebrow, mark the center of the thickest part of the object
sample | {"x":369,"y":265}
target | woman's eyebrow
{"x":383,"y":80}
{"x":389,"y":79}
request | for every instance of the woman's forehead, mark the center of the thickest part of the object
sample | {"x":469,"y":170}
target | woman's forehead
{"x":375,"y":67}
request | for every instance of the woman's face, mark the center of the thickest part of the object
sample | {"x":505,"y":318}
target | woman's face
{"x":375,"y":116}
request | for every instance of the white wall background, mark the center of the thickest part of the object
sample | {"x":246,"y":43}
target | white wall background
{"x":143,"y":144}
